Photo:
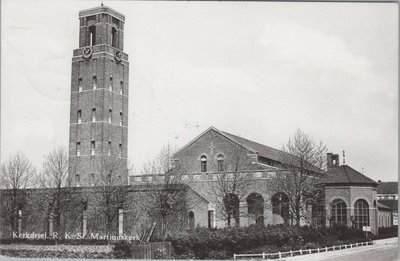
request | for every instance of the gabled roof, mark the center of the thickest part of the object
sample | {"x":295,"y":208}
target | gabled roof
{"x":346,"y":175}
{"x":388,"y":188}
{"x":218,"y":131}
{"x":254,"y":147}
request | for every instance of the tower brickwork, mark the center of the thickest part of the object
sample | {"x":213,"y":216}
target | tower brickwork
{"x":99,"y":96}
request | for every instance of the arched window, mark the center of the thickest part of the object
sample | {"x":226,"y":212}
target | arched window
{"x":203,"y":163}
{"x":361,"y":213}
{"x":191,"y":220}
{"x":255,"y":208}
{"x":114,"y":37}
{"x":92,"y":179}
{"x":92,"y":35}
{"x":318,"y":215}
{"x":280,"y":208}
{"x":210,"y":218}
{"x":220,"y":163}
{"x":231,"y":204}
{"x":77,"y":180}
{"x":94,"y":82}
{"x":338,"y":213}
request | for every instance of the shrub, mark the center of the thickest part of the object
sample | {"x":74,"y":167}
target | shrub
{"x":123,"y":249}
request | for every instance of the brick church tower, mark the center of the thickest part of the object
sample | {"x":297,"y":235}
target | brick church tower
{"x":99,"y":97}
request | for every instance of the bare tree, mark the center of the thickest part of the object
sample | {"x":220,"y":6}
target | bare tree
{"x":110,"y":192}
{"x":232,"y":183}
{"x":17,"y":174}
{"x":167,"y":193}
{"x":56,"y":181}
{"x":303,"y":161}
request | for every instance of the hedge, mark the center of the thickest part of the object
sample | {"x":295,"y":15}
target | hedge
{"x":203,"y":243}
{"x":54,"y":254}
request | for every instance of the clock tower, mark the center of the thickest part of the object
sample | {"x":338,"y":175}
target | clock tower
{"x":99,"y":97}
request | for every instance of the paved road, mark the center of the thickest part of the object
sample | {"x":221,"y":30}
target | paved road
{"x":382,"y":250}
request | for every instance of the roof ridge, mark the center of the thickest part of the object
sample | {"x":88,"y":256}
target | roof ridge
{"x":251,"y":141}
{"x":347,"y":175}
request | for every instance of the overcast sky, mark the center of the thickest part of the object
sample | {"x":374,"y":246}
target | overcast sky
{"x":259,"y":70}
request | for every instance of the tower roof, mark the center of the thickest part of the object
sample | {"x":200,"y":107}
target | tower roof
{"x":102,"y":9}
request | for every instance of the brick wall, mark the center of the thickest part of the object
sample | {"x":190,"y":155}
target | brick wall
{"x":138,"y":206}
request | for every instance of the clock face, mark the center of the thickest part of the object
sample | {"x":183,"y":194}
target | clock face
{"x":118,"y":55}
{"x":87,"y":52}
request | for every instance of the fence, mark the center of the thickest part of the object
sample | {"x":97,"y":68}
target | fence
{"x":152,"y":250}
{"x":300,"y":252}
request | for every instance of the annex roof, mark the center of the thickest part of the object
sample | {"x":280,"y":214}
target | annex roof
{"x":346,"y":175}
{"x":381,"y":205}
{"x":388,"y":187}
{"x":392,"y":204}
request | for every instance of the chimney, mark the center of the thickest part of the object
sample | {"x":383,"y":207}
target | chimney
{"x":332,"y":160}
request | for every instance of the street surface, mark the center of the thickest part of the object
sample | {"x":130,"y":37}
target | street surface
{"x":382,"y":250}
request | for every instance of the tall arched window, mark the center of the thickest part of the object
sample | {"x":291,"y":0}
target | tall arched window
{"x":114,"y":38}
{"x":338,"y":213}
{"x":203,"y":163}
{"x":220,"y":162}
{"x":191,"y":220}
{"x":280,"y":208}
{"x":361,"y":213}
{"x":255,"y":208}
{"x":92,"y":35}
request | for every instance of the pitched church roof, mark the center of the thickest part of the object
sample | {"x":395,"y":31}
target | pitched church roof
{"x":346,"y":175}
{"x":262,"y":150}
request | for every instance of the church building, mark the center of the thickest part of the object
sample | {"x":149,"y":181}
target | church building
{"x":350,"y":198}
